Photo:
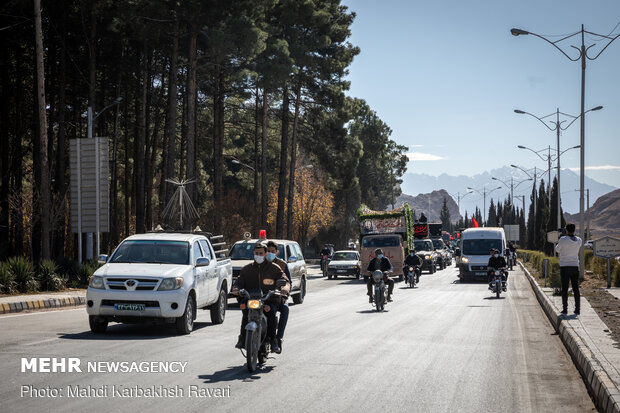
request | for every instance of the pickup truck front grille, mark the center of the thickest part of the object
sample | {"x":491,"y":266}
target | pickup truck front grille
{"x":478,"y":268}
{"x":146,"y":303}
{"x":141,"y":284}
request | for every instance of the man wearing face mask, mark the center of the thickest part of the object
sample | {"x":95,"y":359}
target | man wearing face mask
{"x":496,"y":263}
{"x":414,"y":261}
{"x":272,"y":255}
{"x":381,"y":263}
{"x":261,"y":274}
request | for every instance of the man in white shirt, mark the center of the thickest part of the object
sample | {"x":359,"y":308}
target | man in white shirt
{"x":568,"y":248}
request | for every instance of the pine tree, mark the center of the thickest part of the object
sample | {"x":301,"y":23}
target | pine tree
{"x":492,"y":214}
{"x":445,"y":216}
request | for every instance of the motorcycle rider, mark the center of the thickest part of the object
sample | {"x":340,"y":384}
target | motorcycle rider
{"x":513,"y":252}
{"x":326,"y":255}
{"x":496,"y":263}
{"x":382,"y":263}
{"x":272,"y":255}
{"x":414,"y":261}
{"x":261,"y":274}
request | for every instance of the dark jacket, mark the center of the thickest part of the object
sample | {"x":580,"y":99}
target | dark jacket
{"x":384,"y":265}
{"x":496,"y":263}
{"x":282,"y":264}
{"x":413,"y":260}
{"x":264,"y":276}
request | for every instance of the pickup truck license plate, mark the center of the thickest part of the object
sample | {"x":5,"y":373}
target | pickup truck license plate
{"x":130,"y":307}
{"x":481,"y":273}
{"x":342,"y":270}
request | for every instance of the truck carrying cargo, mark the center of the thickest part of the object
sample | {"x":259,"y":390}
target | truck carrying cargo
{"x":392,"y":231}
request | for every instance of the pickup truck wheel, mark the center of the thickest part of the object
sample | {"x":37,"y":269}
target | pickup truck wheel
{"x":185,"y":323}
{"x":329,"y":276}
{"x":97,"y":327}
{"x":299,"y":298}
{"x":218,"y":310}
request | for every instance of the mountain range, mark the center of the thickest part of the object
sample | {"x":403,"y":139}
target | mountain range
{"x":604,"y":215}
{"x":419,"y":184}
{"x":435,"y":199}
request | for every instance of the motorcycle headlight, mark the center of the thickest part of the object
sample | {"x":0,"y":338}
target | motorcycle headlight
{"x":464,"y":260}
{"x":173,"y":283}
{"x":254,"y":304}
{"x":96,"y":282}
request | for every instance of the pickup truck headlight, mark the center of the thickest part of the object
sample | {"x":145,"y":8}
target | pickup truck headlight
{"x":427,"y":257}
{"x":464,"y":260}
{"x":96,"y":282}
{"x":170,"y":284}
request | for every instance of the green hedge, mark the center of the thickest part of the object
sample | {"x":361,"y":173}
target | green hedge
{"x":19,"y":275}
{"x":535,"y":258}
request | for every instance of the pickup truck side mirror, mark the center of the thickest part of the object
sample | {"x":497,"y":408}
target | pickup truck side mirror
{"x":292,"y":258}
{"x":457,"y":252}
{"x":281,"y":283}
{"x":202,"y":262}
{"x":102,"y":258}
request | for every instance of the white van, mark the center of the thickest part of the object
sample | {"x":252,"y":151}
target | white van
{"x":474,"y":251}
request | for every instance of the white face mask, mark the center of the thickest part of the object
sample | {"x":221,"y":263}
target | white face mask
{"x":259,"y":259}
{"x":495,"y":255}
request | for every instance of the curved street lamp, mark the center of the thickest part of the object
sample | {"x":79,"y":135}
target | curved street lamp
{"x":583,"y":57}
{"x":459,"y":197}
{"x":512,"y":186}
{"x":484,"y":194}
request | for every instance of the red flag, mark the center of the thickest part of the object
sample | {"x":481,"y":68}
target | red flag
{"x":474,"y":222}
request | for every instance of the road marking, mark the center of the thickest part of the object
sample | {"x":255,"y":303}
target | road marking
{"x":39,"y":312}
{"x":34,"y":343}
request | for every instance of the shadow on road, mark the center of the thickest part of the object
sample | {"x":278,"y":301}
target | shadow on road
{"x":372,"y":311}
{"x":501,"y":297}
{"x":235,"y":373}
{"x":131,"y":332}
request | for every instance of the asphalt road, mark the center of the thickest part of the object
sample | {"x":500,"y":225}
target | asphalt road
{"x":441,"y":347}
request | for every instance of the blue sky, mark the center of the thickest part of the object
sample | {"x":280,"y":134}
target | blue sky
{"x":447,"y":75}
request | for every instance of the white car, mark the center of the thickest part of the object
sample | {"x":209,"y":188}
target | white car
{"x":344,"y":262}
{"x":159,"y":277}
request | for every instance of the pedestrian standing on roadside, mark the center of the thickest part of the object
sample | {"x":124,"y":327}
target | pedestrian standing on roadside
{"x":568,"y":248}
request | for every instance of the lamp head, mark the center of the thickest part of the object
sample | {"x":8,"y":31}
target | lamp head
{"x":514,"y":166}
{"x":597,"y":108}
{"x":518,"y":32}
{"x":494,"y":178}
{"x":520,"y":112}
{"x":521,"y":147}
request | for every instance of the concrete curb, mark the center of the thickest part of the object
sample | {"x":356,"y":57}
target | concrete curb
{"x":605,"y":394}
{"x":19,"y":306}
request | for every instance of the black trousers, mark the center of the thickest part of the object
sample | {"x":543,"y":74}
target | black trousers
{"x":570,"y":274}
{"x":389,"y":282}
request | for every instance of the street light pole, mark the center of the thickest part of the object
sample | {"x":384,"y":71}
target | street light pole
{"x":583,"y":54}
{"x":484,"y":199}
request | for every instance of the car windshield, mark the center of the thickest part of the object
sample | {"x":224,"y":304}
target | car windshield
{"x":375,"y":242}
{"x":480,"y":246}
{"x":422,"y":245}
{"x":245,"y":251}
{"x":345,"y":256}
{"x":152,"y":251}
{"x":438,"y":244}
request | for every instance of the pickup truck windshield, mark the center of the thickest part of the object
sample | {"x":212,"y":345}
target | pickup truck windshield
{"x":345,"y":256}
{"x":376,"y":242}
{"x":245,"y":251}
{"x":152,"y":251}
{"x":421,"y":245}
{"x":480,"y":246}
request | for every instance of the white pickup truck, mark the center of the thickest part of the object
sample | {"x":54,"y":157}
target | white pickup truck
{"x":159,"y":277}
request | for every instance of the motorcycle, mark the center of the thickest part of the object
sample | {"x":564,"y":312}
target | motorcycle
{"x":380,"y":289}
{"x":257,"y":347}
{"x":498,"y":284}
{"x":413,"y":275}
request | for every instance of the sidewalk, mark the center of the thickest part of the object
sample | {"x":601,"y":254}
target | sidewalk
{"x":589,"y":344}
{"x":19,"y":303}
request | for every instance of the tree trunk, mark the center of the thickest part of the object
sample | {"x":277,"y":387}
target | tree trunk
{"x":218,"y":150}
{"x":263,"y":165}
{"x":291,"y":184}
{"x":191,"y":111}
{"x":127,"y":174}
{"x":44,"y":187}
{"x":172,"y":117}
{"x":139,"y":155}
{"x":280,"y":214}
{"x":256,"y":160}
{"x":5,"y":169}
{"x":113,"y":240}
